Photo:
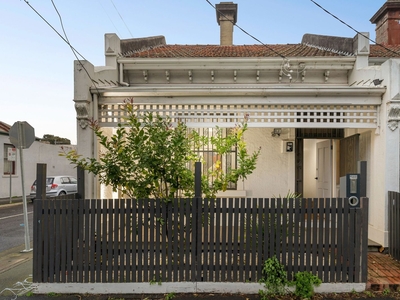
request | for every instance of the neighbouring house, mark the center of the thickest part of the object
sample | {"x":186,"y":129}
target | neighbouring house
{"x":315,"y":108}
{"x":38,"y":152}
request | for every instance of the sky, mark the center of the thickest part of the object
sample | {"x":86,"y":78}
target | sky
{"x":36,"y":75}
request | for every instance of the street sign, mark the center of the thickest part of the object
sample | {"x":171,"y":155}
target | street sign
{"x":22,"y":134}
{"x":12,"y":154}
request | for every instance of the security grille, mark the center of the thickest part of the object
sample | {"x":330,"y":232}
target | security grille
{"x":211,"y":159}
{"x":258,"y":115}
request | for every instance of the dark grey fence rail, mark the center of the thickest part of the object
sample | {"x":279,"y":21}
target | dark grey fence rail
{"x":394,"y":224}
{"x":215,"y":240}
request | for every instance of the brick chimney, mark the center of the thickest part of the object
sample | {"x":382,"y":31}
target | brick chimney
{"x":387,"y":20}
{"x":226,"y":18}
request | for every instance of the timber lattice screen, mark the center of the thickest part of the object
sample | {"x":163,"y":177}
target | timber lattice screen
{"x":257,"y":115}
{"x":215,"y":240}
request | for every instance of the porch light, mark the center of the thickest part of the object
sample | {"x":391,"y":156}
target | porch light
{"x":276,"y":132}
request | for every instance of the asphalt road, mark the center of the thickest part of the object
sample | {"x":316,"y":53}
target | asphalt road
{"x":12,"y":227}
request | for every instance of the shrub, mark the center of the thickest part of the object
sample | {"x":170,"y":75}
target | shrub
{"x":304,"y":283}
{"x":274,"y":278}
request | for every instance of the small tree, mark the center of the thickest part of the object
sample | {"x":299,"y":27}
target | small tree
{"x":149,"y":157}
{"x":222,"y":145}
{"x":55,"y":140}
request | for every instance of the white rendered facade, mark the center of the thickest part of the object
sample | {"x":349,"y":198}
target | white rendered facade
{"x":325,"y":92}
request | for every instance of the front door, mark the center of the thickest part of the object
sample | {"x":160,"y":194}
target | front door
{"x":324,"y":169}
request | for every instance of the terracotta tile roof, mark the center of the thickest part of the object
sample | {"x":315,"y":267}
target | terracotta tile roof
{"x":4,"y":127}
{"x":390,"y":51}
{"x":288,"y":50}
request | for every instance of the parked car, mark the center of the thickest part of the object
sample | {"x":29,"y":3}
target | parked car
{"x":56,"y":186}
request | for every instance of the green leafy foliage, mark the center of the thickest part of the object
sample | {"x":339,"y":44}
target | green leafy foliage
{"x":170,"y":296}
{"x":369,"y":294}
{"x":222,"y":145}
{"x":386,"y":292}
{"x":149,"y":157}
{"x":154,"y":280}
{"x":55,"y":140}
{"x":290,"y":195}
{"x":276,"y":282}
{"x":304,"y":283}
{"x":274,"y":278}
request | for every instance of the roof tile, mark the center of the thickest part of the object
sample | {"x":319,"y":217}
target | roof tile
{"x":280,"y":50}
{"x":385,"y":51}
{"x":186,"y":51}
{"x":4,"y":127}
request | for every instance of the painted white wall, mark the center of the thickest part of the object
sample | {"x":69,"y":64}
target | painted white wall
{"x":36,"y":153}
{"x":275,"y":170}
{"x":85,"y":105}
{"x":378,"y":193}
{"x":378,"y":171}
{"x":385,"y":153}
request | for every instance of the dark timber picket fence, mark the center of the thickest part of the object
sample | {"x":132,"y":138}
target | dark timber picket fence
{"x":394,"y":224}
{"x":215,"y":240}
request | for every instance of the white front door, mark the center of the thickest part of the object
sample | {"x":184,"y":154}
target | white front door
{"x":324,"y":169}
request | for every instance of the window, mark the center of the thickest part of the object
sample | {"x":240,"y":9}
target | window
{"x":9,"y":167}
{"x":210,"y":158}
{"x":65,"y":180}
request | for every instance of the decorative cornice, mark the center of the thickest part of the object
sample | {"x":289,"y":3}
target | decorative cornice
{"x":250,"y":63}
{"x":82,"y":113}
{"x":394,"y":116}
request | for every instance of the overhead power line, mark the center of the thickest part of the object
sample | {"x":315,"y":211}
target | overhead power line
{"x":55,"y":30}
{"x":65,"y":39}
{"x":109,"y":17}
{"x":62,"y":26}
{"x":244,"y":31}
{"x":121,"y":18}
{"x":360,"y":33}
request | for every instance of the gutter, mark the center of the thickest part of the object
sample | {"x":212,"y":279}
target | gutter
{"x":235,"y":90}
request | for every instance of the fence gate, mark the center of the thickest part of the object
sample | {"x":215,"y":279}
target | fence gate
{"x":394,"y":224}
{"x":214,"y":240}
